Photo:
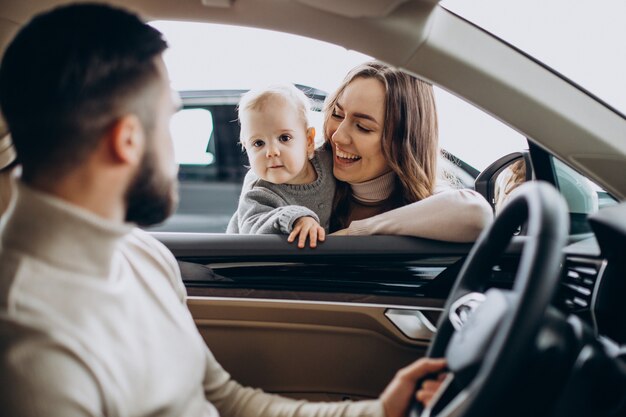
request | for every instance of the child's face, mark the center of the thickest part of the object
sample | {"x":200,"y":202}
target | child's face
{"x":278,"y":143}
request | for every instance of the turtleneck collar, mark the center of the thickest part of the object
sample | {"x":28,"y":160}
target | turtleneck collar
{"x":375,"y":190}
{"x":62,"y":234}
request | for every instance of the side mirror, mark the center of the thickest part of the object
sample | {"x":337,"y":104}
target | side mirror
{"x":499,"y":179}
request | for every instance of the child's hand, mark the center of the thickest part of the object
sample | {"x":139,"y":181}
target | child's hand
{"x":307,"y":226}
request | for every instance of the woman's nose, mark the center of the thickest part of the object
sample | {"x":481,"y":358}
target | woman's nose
{"x":340,"y":135}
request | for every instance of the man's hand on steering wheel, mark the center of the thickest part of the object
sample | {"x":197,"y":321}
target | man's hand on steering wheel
{"x":401,"y":390}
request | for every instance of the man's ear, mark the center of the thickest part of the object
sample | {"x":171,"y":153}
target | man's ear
{"x":126,"y":140}
{"x":310,"y":141}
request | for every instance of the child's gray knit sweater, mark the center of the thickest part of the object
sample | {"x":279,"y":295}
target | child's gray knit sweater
{"x":266,"y":208}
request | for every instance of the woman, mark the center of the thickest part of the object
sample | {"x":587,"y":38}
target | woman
{"x":508,"y":180}
{"x":382,"y":127}
{"x":7,"y":163}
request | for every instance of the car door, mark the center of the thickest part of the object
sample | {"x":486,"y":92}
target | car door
{"x":330,"y":323}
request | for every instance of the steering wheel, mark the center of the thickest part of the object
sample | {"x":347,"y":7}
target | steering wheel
{"x":487,"y":336}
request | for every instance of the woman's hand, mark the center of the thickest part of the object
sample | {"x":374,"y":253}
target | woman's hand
{"x":307,"y":226}
{"x":401,"y":390}
{"x":342,"y":232}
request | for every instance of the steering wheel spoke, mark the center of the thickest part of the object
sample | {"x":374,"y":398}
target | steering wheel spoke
{"x":469,"y":343}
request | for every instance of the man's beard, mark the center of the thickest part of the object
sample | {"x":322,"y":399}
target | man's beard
{"x":151,"y":198}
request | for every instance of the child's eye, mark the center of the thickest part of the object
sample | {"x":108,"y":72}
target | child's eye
{"x":257,"y":143}
{"x":284,"y":138}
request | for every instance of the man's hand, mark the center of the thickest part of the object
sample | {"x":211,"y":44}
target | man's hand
{"x":307,"y":226}
{"x":429,"y":388}
{"x":401,"y":390}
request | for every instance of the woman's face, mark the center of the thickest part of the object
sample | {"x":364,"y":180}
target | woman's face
{"x":355,"y":130}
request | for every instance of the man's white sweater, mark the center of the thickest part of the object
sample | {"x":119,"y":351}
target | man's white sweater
{"x":93,"y":322}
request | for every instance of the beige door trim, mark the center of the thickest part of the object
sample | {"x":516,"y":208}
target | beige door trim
{"x":307,"y":349}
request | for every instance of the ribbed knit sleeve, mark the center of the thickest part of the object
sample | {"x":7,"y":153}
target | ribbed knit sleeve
{"x":261,"y":211}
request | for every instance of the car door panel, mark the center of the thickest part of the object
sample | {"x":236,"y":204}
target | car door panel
{"x":312,"y":323}
{"x":304,"y":349}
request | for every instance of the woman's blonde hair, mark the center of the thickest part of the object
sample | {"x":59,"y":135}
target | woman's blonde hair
{"x":410,"y":137}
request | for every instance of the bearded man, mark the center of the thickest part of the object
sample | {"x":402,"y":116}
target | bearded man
{"x":93,"y":320}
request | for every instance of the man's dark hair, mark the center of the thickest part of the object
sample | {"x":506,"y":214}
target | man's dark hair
{"x":68,"y":75}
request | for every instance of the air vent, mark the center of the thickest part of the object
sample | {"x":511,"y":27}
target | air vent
{"x":578,"y":284}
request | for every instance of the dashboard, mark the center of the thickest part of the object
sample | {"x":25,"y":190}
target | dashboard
{"x":607,"y":301}
{"x":593,"y":285}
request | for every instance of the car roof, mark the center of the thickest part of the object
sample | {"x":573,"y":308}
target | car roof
{"x":428,"y":41}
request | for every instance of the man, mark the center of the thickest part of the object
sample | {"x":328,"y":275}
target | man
{"x":93,"y":318}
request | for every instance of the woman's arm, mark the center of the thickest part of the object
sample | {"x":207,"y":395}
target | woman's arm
{"x":453,"y":215}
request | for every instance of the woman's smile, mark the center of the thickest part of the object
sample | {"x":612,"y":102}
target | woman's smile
{"x":343,"y":155}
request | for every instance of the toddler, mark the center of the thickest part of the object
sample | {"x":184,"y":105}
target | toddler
{"x":290,"y":187}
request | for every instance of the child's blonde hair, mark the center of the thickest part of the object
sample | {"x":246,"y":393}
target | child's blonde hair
{"x":257,"y":98}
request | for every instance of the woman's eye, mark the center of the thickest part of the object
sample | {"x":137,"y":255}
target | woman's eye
{"x":363,"y":129}
{"x":336,"y":115}
{"x":284,"y":138}
{"x":257,"y":143}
